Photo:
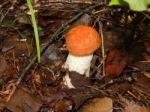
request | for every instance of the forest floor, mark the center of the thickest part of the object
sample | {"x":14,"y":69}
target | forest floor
{"x":120,"y":70}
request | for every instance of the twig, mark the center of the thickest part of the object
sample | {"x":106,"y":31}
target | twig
{"x":9,"y":9}
{"x":2,"y":18}
{"x":102,"y":47}
{"x":132,"y":94}
{"x":50,"y":41}
{"x":3,"y":4}
{"x":104,"y":92}
{"x":145,"y":61}
{"x":73,"y":1}
{"x":97,"y":68}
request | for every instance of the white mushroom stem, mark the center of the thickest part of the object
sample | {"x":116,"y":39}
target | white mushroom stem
{"x":79,"y":64}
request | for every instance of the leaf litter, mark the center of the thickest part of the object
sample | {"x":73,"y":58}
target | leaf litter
{"x":42,"y":89}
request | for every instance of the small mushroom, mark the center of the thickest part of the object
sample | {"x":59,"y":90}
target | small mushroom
{"x":81,"y":42}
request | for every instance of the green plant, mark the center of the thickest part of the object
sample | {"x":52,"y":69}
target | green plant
{"x":35,"y":27}
{"x":136,"y":5}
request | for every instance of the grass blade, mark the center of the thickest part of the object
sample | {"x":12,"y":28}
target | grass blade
{"x":35,"y":29}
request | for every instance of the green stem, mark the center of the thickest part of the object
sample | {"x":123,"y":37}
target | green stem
{"x":35,"y":29}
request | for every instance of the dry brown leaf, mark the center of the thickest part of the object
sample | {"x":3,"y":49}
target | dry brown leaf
{"x":98,"y":105}
{"x":24,"y":101}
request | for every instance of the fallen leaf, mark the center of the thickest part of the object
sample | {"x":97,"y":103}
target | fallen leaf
{"x":53,"y":54}
{"x":115,"y":63}
{"x":62,"y":105}
{"x":84,"y":20}
{"x":24,"y":101}
{"x":98,"y":105}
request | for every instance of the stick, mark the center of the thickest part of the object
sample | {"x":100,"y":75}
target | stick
{"x":102,"y":48}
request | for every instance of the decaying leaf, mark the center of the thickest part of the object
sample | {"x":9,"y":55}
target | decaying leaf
{"x":62,"y":106}
{"x":23,"y":101}
{"x":115,"y":63}
{"x":98,"y":105}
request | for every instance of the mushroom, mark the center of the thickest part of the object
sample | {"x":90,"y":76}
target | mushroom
{"x":81,"y":42}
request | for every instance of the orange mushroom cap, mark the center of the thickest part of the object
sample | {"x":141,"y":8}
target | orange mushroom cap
{"x":82,"y":40}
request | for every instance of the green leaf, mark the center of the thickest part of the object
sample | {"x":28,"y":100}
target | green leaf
{"x":117,"y":2}
{"x":136,"y":5}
